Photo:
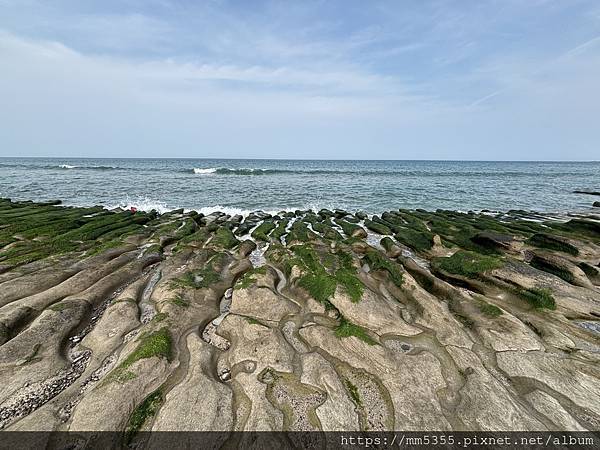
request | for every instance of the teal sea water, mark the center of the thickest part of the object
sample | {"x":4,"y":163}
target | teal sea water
{"x":207,"y":185}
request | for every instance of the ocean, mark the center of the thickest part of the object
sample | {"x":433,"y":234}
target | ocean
{"x":238,"y":186}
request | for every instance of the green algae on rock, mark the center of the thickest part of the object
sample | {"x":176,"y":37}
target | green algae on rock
{"x":131,"y":321}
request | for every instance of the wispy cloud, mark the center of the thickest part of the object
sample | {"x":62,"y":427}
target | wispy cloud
{"x":433,"y":79}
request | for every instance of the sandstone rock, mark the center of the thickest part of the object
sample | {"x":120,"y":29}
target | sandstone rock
{"x":193,"y":337}
{"x":198,"y":402}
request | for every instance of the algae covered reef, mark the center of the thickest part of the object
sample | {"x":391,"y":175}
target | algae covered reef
{"x":305,"y":320}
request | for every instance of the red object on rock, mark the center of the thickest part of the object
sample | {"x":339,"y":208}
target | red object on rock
{"x":133,"y":209}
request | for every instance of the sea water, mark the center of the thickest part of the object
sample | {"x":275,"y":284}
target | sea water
{"x":238,"y":186}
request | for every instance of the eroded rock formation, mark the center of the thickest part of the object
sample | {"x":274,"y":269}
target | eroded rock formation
{"x":410,"y":320}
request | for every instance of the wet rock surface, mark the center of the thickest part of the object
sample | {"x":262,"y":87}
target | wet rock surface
{"x":305,"y":320}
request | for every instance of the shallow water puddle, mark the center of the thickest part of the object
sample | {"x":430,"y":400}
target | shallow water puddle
{"x":147,"y":310}
{"x":590,"y":325}
{"x":257,"y":256}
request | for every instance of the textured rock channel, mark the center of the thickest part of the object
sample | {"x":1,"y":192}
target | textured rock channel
{"x":328,"y":320}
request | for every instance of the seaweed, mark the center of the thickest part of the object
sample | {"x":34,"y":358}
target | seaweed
{"x":539,"y":298}
{"x":376,"y":227}
{"x":248,"y":278}
{"x":377,"y":261}
{"x":543,"y":240}
{"x":347,"y":329}
{"x":417,"y":240}
{"x":353,"y":391}
{"x":201,"y":278}
{"x":467,"y":264}
{"x":547,"y":266}
{"x":155,"y":344}
{"x":178,"y":300}
{"x":298,"y":232}
{"x":262,"y":231}
{"x":224,"y":238}
{"x":490,"y":310}
{"x":145,"y":410}
{"x":348,"y":228}
{"x":280,"y":229}
{"x":321,"y":284}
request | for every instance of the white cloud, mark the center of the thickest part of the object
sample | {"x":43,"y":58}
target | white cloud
{"x":130,"y":83}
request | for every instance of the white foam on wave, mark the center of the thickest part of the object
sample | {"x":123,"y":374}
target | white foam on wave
{"x":232,"y":211}
{"x":201,"y":171}
{"x":228,"y":170}
{"x":142,"y":204}
{"x":247,"y":169}
{"x":67,"y":166}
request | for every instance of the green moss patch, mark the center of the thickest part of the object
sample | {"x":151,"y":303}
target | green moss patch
{"x":347,"y":329}
{"x":490,"y":310}
{"x":201,"y":278}
{"x":417,"y":240}
{"x":347,"y":227}
{"x":224,"y":238}
{"x":351,"y":284}
{"x":543,"y":240}
{"x":124,"y":376}
{"x":324,"y":272}
{"x":188,"y":227}
{"x":539,"y":298}
{"x":555,"y":269}
{"x":280,"y":229}
{"x":262,"y":231}
{"x":144,"y":411}
{"x":156,"y":344}
{"x":198,"y":237}
{"x":160,"y":317}
{"x":59,"y":230}
{"x":253,"y":321}
{"x":299,"y":232}
{"x":154,"y":248}
{"x":60,"y":307}
{"x":179,"y":301}
{"x":467,"y":264}
{"x":353,"y":391}
{"x":248,"y":279}
{"x":387,"y":243}
{"x":377,"y":227}
{"x":106,"y":246}
{"x":320,"y":286}
{"x":377,"y":261}
{"x":326,"y":231}
{"x":588,"y":269}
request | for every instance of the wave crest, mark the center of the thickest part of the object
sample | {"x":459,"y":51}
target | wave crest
{"x":142,"y":204}
{"x":239,"y":171}
{"x":70,"y":167}
{"x":201,"y":171}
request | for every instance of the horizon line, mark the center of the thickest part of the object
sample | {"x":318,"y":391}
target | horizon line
{"x":306,"y":159}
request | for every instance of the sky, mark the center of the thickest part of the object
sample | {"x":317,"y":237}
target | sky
{"x":346,"y":79}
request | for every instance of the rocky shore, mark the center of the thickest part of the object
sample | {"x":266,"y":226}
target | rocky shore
{"x":305,"y":320}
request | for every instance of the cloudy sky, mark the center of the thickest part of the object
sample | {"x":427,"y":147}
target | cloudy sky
{"x":480,"y":79}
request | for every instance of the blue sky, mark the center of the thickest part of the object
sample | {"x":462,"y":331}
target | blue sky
{"x":470,"y":79}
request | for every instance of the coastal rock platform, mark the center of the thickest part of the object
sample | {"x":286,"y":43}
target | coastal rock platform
{"x":306,"y":320}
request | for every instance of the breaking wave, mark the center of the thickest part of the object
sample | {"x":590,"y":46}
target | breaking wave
{"x":358,"y":172}
{"x":241,"y":171}
{"x":70,"y":167}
